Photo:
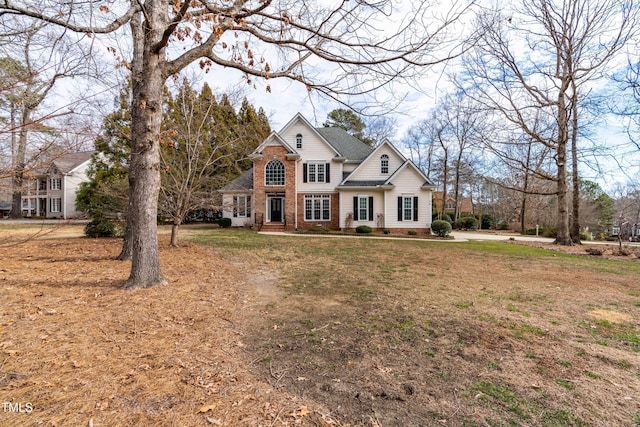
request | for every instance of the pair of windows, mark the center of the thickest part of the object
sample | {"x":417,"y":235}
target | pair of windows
{"x":407,"y":208}
{"x":317,"y":207}
{"x":316,"y":172}
{"x":241,"y":206}
{"x":274,"y":173}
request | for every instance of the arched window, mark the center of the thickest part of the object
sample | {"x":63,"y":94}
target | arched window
{"x":299,"y":140}
{"x":384,"y":164}
{"x":274,"y":173}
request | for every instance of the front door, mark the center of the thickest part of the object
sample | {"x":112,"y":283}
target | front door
{"x":275,"y":209}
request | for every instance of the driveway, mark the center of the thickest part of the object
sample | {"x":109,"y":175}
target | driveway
{"x":496,"y":235}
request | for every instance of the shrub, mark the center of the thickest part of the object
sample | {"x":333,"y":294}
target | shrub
{"x":363,"y":229}
{"x":487,"y":221}
{"x":467,"y":223}
{"x":441,"y":228}
{"x":412,"y":233}
{"x":550,"y":232}
{"x":386,"y":231}
{"x":100,"y":228}
{"x":224,"y":222}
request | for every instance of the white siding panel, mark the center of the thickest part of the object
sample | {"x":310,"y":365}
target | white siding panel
{"x":314,"y":149}
{"x":71,"y":185}
{"x":227,"y":210}
{"x":346,"y":206}
{"x":370,"y":170}
{"x":408,"y":182}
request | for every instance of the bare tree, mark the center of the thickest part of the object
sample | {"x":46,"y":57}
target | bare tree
{"x":35,"y":58}
{"x":537,"y":58}
{"x":261,"y":39}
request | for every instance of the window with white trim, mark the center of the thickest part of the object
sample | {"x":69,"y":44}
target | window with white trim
{"x":241,"y":206}
{"x":317,"y":207}
{"x":55,"y":184}
{"x":299,"y":140}
{"x":316,"y":172}
{"x":274,"y":173}
{"x":384,"y":164}
{"x":407,"y":209}
{"x":363,"y":208}
{"x":56,"y":204}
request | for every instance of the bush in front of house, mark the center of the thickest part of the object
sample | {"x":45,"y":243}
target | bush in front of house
{"x":386,"y":231}
{"x":100,"y":228}
{"x":440,"y":228}
{"x":412,"y":233}
{"x":224,"y":222}
{"x":363,"y":229}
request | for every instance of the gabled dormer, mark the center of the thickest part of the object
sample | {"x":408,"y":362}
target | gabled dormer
{"x":377,"y":167}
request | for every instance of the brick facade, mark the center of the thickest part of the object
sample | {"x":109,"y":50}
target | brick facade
{"x":288,"y":190}
{"x":332,"y":224}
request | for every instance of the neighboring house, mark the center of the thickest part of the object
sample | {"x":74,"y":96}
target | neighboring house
{"x":51,"y":193}
{"x":465,"y":206}
{"x":305,"y":177}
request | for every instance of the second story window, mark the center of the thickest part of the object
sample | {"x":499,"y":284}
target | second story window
{"x":299,"y":140}
{"x":384,"y":164}
{"x":55,"y":184}
{"x":316,"y":172}
{"x":274,"y":173}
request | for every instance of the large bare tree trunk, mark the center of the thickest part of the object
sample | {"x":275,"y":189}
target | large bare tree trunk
{"x":575,"y":178}
{"x":563,"y":237}
{"x":18,"y":165}
{"x":144,"y":172}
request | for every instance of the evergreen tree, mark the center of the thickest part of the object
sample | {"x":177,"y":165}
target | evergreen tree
{"x":105,"y":196}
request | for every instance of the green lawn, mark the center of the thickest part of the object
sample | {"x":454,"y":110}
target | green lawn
{"x":477,"y":333}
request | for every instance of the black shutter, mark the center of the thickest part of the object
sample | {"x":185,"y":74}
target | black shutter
{"x":327,"y":173}
{"x":370,"y":208}
{"x":249,"y":211}
{"x":399,"y":208}
{"x":235,"y":206}
{"x":304,"y":172}
{"x":355,"y":208}
{"x":415,"y":208}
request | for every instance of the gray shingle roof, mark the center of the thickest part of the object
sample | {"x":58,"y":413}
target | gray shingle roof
{"x":69,"y":161}
{"x":242,"y":183}
{"x":347,"y":145}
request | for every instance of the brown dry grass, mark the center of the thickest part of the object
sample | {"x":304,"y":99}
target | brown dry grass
{"x":261,"y":330}
{"x":84,"y":352}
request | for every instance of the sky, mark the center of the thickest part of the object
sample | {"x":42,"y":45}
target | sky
{"x":287,"y":98}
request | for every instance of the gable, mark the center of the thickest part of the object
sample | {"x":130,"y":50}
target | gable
{"x":408,"y":178}
{"x":273,"y":140}
{"x":370,"y":169}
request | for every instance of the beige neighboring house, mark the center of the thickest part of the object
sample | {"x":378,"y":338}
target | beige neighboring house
{"x":51,"y":193}
{"x":306,"y":177}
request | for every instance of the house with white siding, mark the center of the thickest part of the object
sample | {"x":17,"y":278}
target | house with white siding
{"x":51,"y":191}
{"x":306,"y":177}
